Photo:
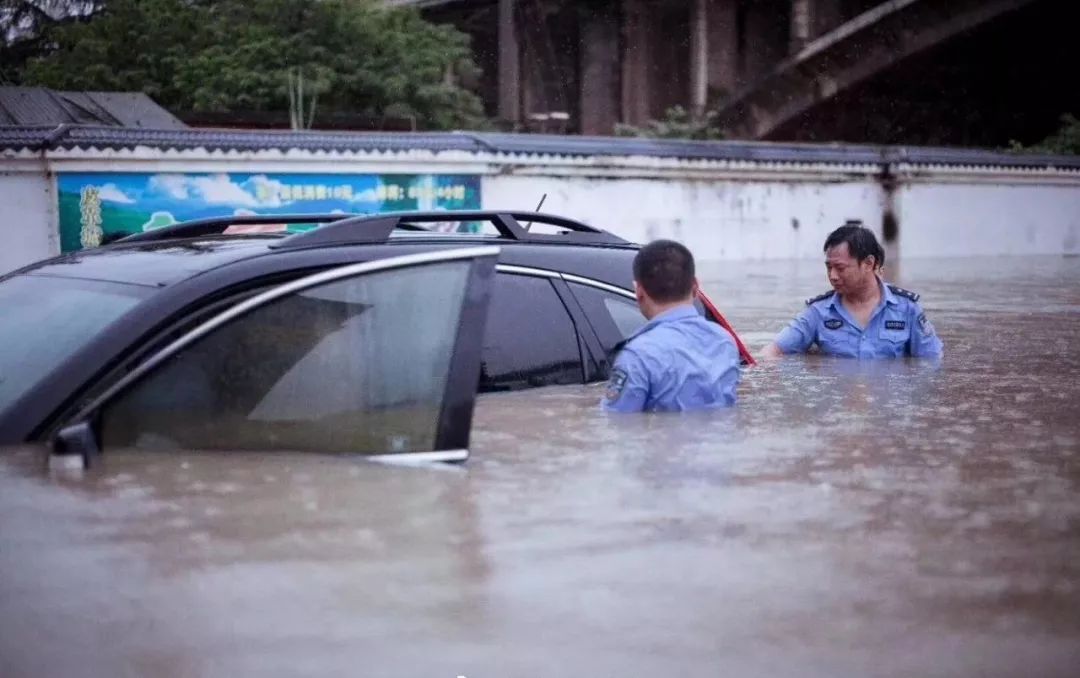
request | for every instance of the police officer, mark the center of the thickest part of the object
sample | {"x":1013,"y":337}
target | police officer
{"x":861,"y":317}
{"x":678,"y":360}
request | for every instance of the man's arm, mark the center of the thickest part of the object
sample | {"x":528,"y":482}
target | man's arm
{"x":797,"y":337}
{"x":925,"y":342}
{"x":771,"y":350}
{"x":628,"y":387}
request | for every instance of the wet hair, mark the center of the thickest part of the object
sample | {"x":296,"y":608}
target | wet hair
{"x":665,"y":269}
{"x":860,"y":240}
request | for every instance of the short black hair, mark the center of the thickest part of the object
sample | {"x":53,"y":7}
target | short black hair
{"x":665,"y":269}
{"x":860,"y":240}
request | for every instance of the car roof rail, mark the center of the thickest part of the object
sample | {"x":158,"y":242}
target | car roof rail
{"x":378,"y":227}
{"x":218,"y":225}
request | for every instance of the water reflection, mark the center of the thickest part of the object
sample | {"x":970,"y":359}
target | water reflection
{"x":889,"y":518}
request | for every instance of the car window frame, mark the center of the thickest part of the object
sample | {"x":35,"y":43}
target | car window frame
{"x":608,"y":354}
{"x":189,"y":318}
{"x":578,"y":323}
{"x":454,"y":427}
{"x":592,"y":352}
{"x":605,"y":357}
{"x":597,"y":365}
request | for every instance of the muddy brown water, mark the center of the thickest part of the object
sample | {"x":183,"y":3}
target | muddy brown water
{"x":846,"y":519}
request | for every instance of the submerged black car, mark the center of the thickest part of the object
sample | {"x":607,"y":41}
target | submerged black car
{"x":361,"y":334}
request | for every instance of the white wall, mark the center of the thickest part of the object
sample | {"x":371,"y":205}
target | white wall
{"x":28,"y":230}
{"x":722,"y":219}
{"x":724,"y":210}
{"x":971,"y":219}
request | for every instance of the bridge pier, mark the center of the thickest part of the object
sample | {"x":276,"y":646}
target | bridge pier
{"x":764,"y":39}
{"x":722,"y":48}
{"x":699,"y":56}
{"x":600,"y":56}
{"x":509,"y":63}
{"x":587,"y":66}
{"x":656,"y":69}
{"x":810,"y":19}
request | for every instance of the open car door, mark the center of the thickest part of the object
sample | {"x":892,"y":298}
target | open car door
{"x":377,"y":359}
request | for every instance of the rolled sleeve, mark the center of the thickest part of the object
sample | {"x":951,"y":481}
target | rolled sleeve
{"x":925,"y":342}
{"x":628,"y":388}
{"x":799,"y":335}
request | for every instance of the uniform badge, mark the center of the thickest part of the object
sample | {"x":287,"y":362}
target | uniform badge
{"x":834,"y":323}
{"x":925,"y":325}
{"x":895,"y":324}
{"x":616,"y":385}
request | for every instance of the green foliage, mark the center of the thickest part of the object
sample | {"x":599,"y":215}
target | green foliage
{"x":1066,"y":141}
{"x":677,"y":123}
{"x":235,"y":55}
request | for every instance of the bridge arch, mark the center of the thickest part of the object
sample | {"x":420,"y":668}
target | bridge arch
{"x":850,"y":54}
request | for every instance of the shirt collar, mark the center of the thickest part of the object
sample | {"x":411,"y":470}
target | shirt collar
{"x":887,"y":297}
{"x":671,"y":315}
{"x":886,"y":294}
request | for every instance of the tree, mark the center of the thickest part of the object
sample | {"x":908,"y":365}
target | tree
{"x":222,"y":56}
{"x":677,"y":123}
{"x":1065,"y":141}
{"x":23,"y":24}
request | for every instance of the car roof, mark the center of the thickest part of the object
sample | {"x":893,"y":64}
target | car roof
{"x":155,"y":264}
{"x":158,"y":260}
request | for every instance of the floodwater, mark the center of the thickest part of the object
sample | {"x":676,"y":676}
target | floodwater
{"x":846,"y":519}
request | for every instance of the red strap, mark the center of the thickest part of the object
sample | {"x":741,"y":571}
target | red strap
{"x":711,"y":308}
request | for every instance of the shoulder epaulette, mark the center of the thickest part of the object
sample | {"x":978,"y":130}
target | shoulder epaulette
{"x":820,"y":297}
{"x":901,"y":292}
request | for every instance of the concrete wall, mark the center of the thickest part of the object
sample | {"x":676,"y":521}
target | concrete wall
{"x":722,"y":219}
{"x":959,"y":217}
{"x":724,"y":210}
{"x":29,"y":216}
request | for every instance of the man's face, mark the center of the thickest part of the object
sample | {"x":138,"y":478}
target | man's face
{"x":846,"y":274}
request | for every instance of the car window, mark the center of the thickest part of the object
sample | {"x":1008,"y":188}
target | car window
{"x":530,"y":339}
{"x":613,"y":316}
{"x":625,"y":313}
{"x":356,"y":365}
{"x":47,"y":319}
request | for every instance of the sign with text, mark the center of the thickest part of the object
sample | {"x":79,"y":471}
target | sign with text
{"x":99,"y":206}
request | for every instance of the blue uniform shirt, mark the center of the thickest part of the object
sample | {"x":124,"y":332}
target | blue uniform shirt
{"x":897,"y":327}
{"x":677,"y":361}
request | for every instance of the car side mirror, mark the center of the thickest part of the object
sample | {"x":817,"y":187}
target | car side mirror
{"x":74,"y":446}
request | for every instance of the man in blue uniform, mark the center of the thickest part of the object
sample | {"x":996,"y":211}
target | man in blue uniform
{"x":678,"y":360}
{"x":862,"y":317}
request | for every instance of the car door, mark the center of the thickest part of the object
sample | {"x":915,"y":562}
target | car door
{"x":614,"y":315}
{"x":532,"y":338}
{"x":377,"y":358}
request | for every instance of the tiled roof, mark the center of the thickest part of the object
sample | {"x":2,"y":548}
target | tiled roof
{"x":41,"y":106}
{"x":85,"y":137}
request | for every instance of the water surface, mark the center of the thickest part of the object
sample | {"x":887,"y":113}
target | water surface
{"x":848,"y":518}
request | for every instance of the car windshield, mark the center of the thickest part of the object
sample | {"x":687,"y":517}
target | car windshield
{"x":46,"y":319}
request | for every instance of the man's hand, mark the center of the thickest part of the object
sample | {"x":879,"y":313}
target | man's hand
{"x":771,"y":352}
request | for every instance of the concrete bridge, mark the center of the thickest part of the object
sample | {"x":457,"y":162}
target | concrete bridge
{"x":586,"y":66}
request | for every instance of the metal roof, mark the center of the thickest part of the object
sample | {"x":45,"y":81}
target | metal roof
{"x":41,"y":106}
{"x":87,"y":137}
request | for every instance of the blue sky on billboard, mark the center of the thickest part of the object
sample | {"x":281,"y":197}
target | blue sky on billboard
{"x":95,"y":204}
